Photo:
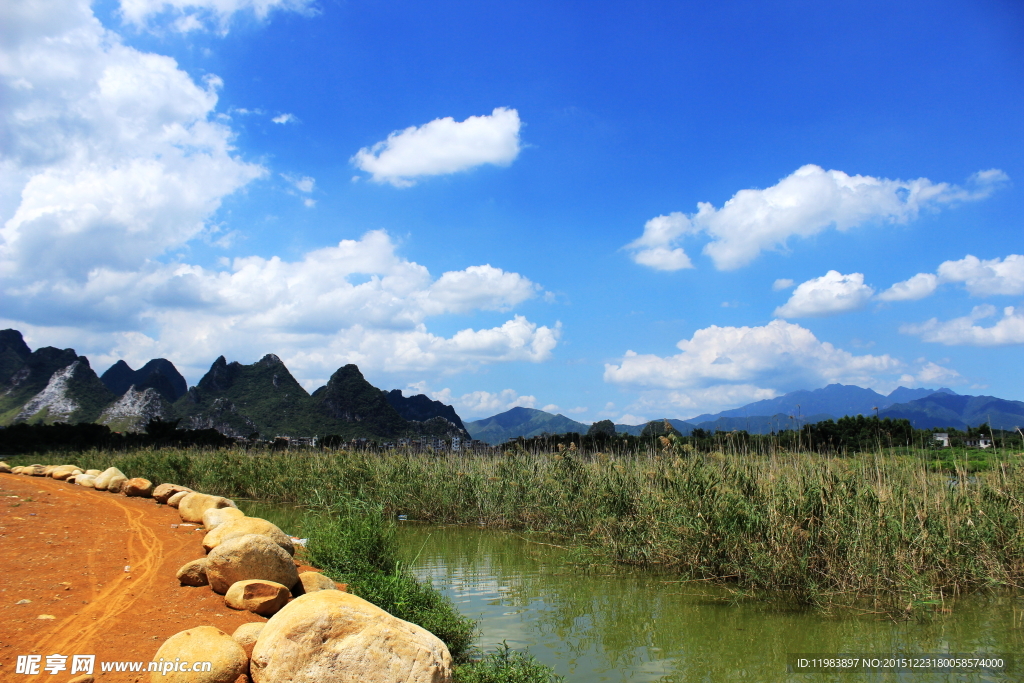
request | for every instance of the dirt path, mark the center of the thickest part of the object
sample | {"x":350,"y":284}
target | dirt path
{"x":98,"y":570}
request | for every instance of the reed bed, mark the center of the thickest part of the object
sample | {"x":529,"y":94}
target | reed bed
{"x":824,"y":530}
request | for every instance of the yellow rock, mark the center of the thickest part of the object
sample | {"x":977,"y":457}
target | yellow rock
{"x":200,"y":644}
{"x":214,"y":517}
{"x":246,"y":635}
{"x":331,"y":636}
{"x":244,"y":526}
{"x":193,"y":505}
{"x":258,"y":596}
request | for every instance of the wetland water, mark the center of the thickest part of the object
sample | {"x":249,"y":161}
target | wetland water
{"x":646,"y":627}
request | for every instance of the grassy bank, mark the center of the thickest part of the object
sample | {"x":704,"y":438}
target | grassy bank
{"x":822,"y":529}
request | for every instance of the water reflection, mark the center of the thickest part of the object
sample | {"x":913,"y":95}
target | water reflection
{"x":647,"y":627}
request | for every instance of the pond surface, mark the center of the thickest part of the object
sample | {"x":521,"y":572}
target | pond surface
{"x":645,"y":627}
{"x":642,"y":627}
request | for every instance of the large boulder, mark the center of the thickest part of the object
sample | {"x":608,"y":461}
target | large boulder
{"x":214,"y":517}
{"x":335,"y":636}
{"x":249,"y":557}
{"x":5,"y":468}
{"x":315,"y":581}
{"x":105,"y":476}
{"x":164,"y":491}
{"x":94,"y":473}
{"x":36,"y":470}
{"x":193,"y":505}
{"x":193,"y":573}
{"x":201,"y":644}
{"x":175,"y":499}
{"x":137,"y":488}
{"x":85,"y":480}
{"x":258,"y":596}
{"x":244,"y":526}
{"x":246,"y":635}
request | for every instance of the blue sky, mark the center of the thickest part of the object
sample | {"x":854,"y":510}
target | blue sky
{"x":608,"y":210}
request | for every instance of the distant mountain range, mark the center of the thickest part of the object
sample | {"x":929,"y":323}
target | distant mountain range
{"x":53,"y":385}
{"x":924,"y":408}
{"x":57,"y":385}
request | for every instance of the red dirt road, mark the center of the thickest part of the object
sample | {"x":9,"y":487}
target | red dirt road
{"x":103,"y":566}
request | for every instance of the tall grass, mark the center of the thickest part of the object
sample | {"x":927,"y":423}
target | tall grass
{"x":825,"y":530}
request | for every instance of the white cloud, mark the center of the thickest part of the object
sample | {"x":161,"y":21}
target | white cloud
{"x":917,"y":287}
{"x":782,"y":283}
{"x":442,"y":146}
{"x":963,"y":331}
{"x":358,"y":302}
{"x":111,"y":157}
{"x":986,"y":278}
{"x":550,"y":408}
{"x":991,"y":277}
{"x":721,"y":367}
{"x":301,"y":183}
{"x":578,"y":410}
{"x":803,"y":204}
{"x":194,"y":15}
{"x":285,"y":118}
{"x":827,"y":295}
{"x":654,"y":249}
{"x":484,"y":403}
{"x":114,"y":162}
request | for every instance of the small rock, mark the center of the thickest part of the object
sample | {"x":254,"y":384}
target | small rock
{"x":46,"y":616}
{"x":258,"y":596}
{"x":193,"y":573}
{"x":137,"y":488}
{"x":202,"y":644}
{"x":246,"y":635}
{"x":315,"y":581}
{"x":22,"y":602}
{"x":84,"y":678}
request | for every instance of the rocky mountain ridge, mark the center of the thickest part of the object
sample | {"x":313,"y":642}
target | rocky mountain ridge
{"x":53,"y":385}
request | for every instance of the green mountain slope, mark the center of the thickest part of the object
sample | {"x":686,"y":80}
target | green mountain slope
{"x":525,"y":422}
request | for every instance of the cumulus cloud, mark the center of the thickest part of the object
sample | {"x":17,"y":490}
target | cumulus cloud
{"x":111,"y":157}
{"x":964,"y":331}
{"x":285,"y":118}
{"x":195,"y":15}
{"x":917,"y":287}
{"x":442,"y":146}
{"x":727,"y":366}
{"x":114,"y":162}
{"x":805,"y":203}
{"x":980,"y":277}
{"x":827,"y":295}
{"x":485,"y":403}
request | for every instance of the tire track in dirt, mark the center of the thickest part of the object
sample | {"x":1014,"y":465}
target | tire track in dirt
{"x":145,"y":554}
